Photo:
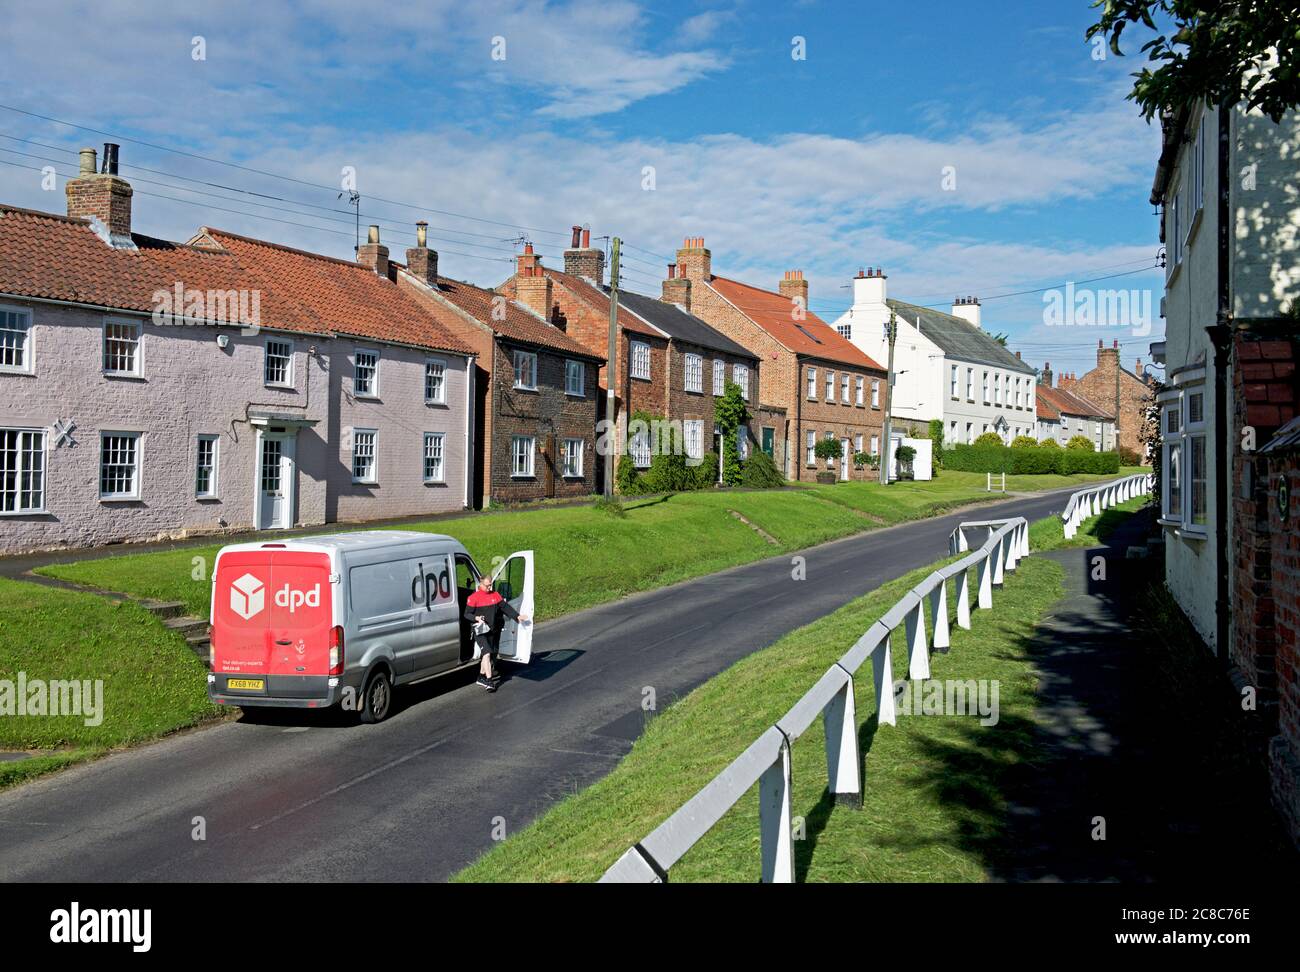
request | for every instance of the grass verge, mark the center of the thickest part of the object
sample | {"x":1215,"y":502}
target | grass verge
{"x":152,"y":684}
{"x":932,"y":782}
{"x":1049,"y":533}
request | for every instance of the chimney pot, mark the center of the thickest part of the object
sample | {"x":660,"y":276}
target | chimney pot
{"x":528,"y":248}
{"x":88,"y":162}
{"x":577,"y":236}
{"x":373,"y":235}
{"x":421,"y":233}
{"x":672,"y":271}
{"x":586,"y":239}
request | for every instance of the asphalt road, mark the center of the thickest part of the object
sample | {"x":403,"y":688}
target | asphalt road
{"x":312,"y":797}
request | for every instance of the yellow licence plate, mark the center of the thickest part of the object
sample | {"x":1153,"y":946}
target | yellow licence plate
{"x":248,"y":684}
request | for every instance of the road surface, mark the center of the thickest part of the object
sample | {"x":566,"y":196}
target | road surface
{"x":312,"y":797}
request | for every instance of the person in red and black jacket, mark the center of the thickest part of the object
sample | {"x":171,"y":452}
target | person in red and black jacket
{"x":489,"y":610}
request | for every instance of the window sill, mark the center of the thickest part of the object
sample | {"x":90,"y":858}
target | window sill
{"x":522,"y":476}
{"x":40,"y":512}
{"x":578,"y":395}
{"x":640,"y":377}
{"x":274,"y":386}
{"x":432,"y":403}
{"x":364,"y":482}
{"x":524,"y":388}
{"x":122,"y":376}
{"x":573,"y":476}
{"x":17,"y":371}
{"x":119,"y":499}
{"x":435,"y":482}
{"x":207,"y":499}
{"x":365,"y":398}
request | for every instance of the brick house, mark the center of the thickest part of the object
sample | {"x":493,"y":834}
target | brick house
{"x":1125,"y":394}
{"x":537,"y":388}
{"x":153,"y":389}
{"x":1063,"y":414}
{"x":812,"y":384}
{"x":672,"y":363}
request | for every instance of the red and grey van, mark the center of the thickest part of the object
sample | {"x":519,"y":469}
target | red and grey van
{"x":344,"y":618}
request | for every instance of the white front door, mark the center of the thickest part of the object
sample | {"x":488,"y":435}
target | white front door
{"x":275,"y":481}
{"x":846,"y":457}
{"x":513,"y":580}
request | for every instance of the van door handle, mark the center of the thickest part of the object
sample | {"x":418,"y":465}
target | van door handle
{"x":284,"y":641}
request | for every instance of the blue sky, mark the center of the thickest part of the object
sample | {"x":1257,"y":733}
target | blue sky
{"x":825,"y":164}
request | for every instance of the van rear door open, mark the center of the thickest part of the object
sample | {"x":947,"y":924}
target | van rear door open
{"x":272,"y":613}
{"x":513,"y":580}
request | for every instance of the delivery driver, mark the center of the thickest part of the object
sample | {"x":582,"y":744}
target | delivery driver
{"x":488,"y":610}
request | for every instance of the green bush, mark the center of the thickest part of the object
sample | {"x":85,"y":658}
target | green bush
{"x":760,"y":472}
{"x":827,"y":449}
{"x":989,"y":439}
{"x":1024,"y":442}
{"x":705,"y":475}
{"x":1080,"y":442}
{"x":936,"y":435}
{"x":1049,"y":444}
{"x":627,"y":479}
{"x":1129,"y":457}
{"x":668,"y":473}
{"x":1026,"y":460}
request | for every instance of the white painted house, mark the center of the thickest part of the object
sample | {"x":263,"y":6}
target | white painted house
{"x":946,"y":366}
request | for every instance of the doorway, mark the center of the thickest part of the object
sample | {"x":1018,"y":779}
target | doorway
{"x":276,"y":480}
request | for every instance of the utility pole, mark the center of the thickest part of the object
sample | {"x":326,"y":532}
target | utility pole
{"x":891,"y":335}
{"x":611,"y":369}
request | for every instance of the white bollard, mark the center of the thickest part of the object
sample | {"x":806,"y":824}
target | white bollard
{"x":774,"y":820}
{"x":986,"y":582}
{"x":918,"y":655}
{"x":939,"y":616}
{"x":841,"y":721}
{"x":882,"y":673}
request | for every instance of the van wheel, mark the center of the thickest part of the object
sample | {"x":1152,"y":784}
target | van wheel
{"x":378,"y":700}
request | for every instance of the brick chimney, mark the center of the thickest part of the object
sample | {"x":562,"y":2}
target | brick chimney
{"x":373,"y":254}
{"x":532,"y":286}
{"x":581,"y":259}
{"x":793,"y":285}
{"x":677,"y":288}
{"x":968,"y":309}
{"x":1067,"y":381}
{"x":421,"y":262}
{"x":1045,"y":377}
{"x":1137,"y":369}
{"x":694,"y":261}
{"x":1107,"y":356}
{"x":104,"y":195}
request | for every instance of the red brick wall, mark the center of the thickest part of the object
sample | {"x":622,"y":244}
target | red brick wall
{"x":1099,"y":387}
{"x":1284,"y":591}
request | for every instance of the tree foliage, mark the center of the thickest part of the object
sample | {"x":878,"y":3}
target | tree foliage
{"x":1217,"y":51}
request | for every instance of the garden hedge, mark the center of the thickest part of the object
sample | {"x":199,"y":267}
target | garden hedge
{"x":1028,"y":460}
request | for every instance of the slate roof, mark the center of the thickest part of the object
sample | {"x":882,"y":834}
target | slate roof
{"x":681,"y":324}
{"x":599,"y":296}
{"x":811,"y":336}
{"x":958,"y":338}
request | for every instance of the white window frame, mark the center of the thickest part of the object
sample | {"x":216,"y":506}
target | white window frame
{"x":830,"y":387}
{"x":860,"y":385}
{"x":639,"y":353}
{"x":19,"y":470}
{"x":638,"y":448}
{"x":440,"y":397}
{"x":812,"y":384}
{"x":740,"y":374}
{"x":875,"y":445}
{"x":213,"y":491}
{"x":970,"y":384}
{"x":811,"y":439}
{"x":138,"y":370}
{"x":1171,"y":444}
{"x":693,"y":374}
{"x":1194,"y":432}
{"x":288,"y":364}
{"x":844,"y":388}
{"x":373,"y":392}
{"x":528,"y":359}
{"x":987,"y":400}
{"x":28,"y":345}
{"x":693,"y":438}
{"x":137,"y":467}
{"x":357,"y":435}
{"x":956,"y":382}
{"x":572,"y":454}
{"x":439,"y":453}
{"x":572,"y":367}
{"x":719,"y":377}
{"x":875,"y":392}
{"x":527,"y":469}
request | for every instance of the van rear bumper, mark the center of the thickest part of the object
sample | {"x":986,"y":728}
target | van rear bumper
{"x":284,"y":691}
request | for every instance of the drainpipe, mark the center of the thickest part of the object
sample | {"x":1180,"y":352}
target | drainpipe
{"x":469,"y":430}
{"x":1220,"y":334}
{"x":796,"y":452}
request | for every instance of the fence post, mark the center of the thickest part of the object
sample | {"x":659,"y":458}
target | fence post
{"x":939,"y":616}
{"x":999,"y":557}
{"x":1013,"y":549}
{"x":986,"y":581}
{"x":918,"y":656}
{"x":774,"y":820}
{"x":882,"y":673}
{"x":963,"y":600}
{"x":841,"y":722}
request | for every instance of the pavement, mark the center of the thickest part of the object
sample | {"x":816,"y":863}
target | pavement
{"x":305,"y":796}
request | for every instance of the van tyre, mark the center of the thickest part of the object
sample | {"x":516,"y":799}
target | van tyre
{"x":377,"y":702}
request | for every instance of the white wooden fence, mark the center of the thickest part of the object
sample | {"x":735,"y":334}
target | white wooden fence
{"x":923,"y":617}
{"x":1089,"y":502}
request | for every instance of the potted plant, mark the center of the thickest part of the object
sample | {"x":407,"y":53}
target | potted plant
{"x":905,"y":454}
{"x":827,"y":450}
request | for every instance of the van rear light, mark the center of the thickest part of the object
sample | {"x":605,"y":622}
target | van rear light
{"x":336,"y":650}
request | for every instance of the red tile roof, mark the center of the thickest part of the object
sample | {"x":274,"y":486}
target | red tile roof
{"x":1045,"y":409}
{"x":1068,"y":403}
{"x":57,"y":258}
{"x":344,"y":297}
{"x":811,"y":336}
{"x":600,"y":298}
{"x":519,"y":323}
